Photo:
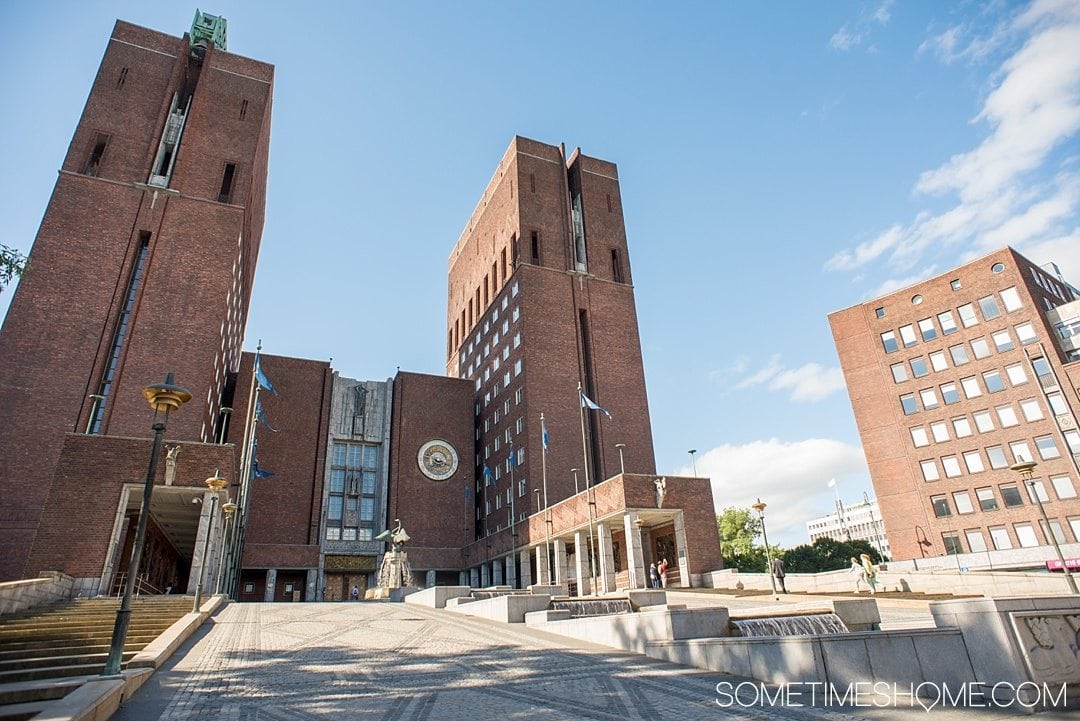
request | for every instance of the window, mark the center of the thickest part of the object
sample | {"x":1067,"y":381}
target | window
{"x":96,"y":153}
{"x":1016,"y":374}
{"x":993,"y":381}
{"x":1000,"y":536}
{"x":907,"y":402}
{"x":983,"y":421}
{"x":1057,"y":404}
{"x":989,"y":307}
{"x":1074,"y":524}
{"x":980,"y":348}
{"x":535,"y":246}
{"x":937,"y":361}
{"x":955,"y":284}
{"x":516,"y":313}
{"x":947,"y":322}
{"x":961,"y":427}
{"x":1047,"y":448}
{"x":1011,"y":299}
{"x":907,"y":334}
{"x":940,"y":431}
{"x":1055,"y":527}
{"x":333,"y":533}
{"x":941,"y":506}
{"x":879,"y":312}
{"x":971,"y":387}
{"x":949,"y":394}
{"x":916,"y":299}
{"x":517,"y":339}
{"x":899,"y":372}
{"x":1026,"y":333}
{"x":962,"y":501}
{"x":225,"y":192}
{"x":1031,"y":410}
{"x":975,"y":540}
{"x":959,"y":355}
{"x":952,"y":541}
{"x":951,"y":465}
{"x":1007,"y":416}
{"x":1063,"y":486}
{"x":996,"y":454}
{"x":987,"y":502}
{"x":616,"y":266}
{"x":1002,"y":341}
{"x":918,"y":367}
{"x":1072,"y":440}
{"x":1010,"y":495}
{"x":927,"y":330}
{"x":967,"y":315}
{"x":335,"y":508}
{"x":918,"y":437}
{"x":1025,"y":535}
{"x":888,"y":340}
{"x":973,"y":461}
{"x":929,"y":398}
{"x":929,"y":470}
{"x":997,"y":268}
{"x":1020,"y":451}
{"x":517,"y":368}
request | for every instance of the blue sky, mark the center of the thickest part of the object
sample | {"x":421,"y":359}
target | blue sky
{"x":778,"y":161}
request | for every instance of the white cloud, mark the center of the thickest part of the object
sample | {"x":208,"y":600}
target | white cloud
{"x":897,"y":283}
{"x":807,"y":384}
{"x":1031,"y":112}
{"x":790,"y":477}
{"x":854,"y":33}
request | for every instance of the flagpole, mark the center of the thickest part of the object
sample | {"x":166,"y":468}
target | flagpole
{"x":588,"y":489}
{"x":245,"y":476}
{"x":513,"y":520}
{"x":547,"y":513}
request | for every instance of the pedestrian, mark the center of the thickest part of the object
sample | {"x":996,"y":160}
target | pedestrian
{"x":856,"y":571}
{"x":778,"y":572}
{"x":356,"y":593}
{"x":869,"y":572}
{"x":662,"y":568}
{"x":654,"y":577}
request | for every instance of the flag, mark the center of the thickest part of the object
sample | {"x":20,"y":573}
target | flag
{"x":544,"y":433}
{"x":261,"y":415}
{"x":488,"y":479}
{"x":513,"y":461}
{"x":264,"y":382}
{"x":468,"y":492}
{"x":257,"y":472}
{"x":587,"y":402}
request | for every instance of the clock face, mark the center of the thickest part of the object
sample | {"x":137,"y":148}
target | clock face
{"x":438,"y":460}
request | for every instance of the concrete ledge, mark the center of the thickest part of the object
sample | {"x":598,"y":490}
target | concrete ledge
{"x":640,"y":598}
{"x":50,"y":587}
{"x":549,"y":589}
{"x":158,"y":651}
{"x":437,"y":596}
{"x":508,"y":609}
{"x":96,"y":699}
{"x":535,"y":618}
{"x":632,"y":631}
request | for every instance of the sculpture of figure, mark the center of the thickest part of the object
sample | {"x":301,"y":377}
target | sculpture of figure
{"x":661,"y":491}
{"x":395,"y":571}
{"x":171,"y":454}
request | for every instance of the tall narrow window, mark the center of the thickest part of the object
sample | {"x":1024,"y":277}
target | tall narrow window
{"x":120,"y":332}
{"x":616,"y":266}
{"x":96,"y":154}
{"x":532,"y":183}
{"x":503,"y":259}
{"x":225,"y":194}
{"x":535,"y":248}
{"x":243,"y":109}
{"x":122,"y":79}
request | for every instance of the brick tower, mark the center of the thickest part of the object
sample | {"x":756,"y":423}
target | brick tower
{"x":143,"y":263}
{"x":540,"y":299}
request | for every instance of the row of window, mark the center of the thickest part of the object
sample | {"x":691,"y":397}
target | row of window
{"x":979,"y":348}
{"x":928,"y":331}
{"x":991,"y":379}
{"x":995,"y":457}
{"x":1051,"y":286}
{"x":984,"y":421}
{"x":350,"y":509}
{"x":1011,"y":496}
{"x":489,"y":323}
{"x":999,"y":536}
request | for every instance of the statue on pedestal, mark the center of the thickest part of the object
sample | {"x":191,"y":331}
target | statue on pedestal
{"x":395,"y":571}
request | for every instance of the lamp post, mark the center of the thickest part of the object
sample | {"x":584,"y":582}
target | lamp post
{"x":622,"y":467}
{"x":224,"y":414}
{"x":760,"y":508}
{"x":1026,"y":469}
{"x":163,"y":397}
{"x":693,"y":461}
{"x":215,"y":483}
{"x":576,"y":490}
{"x":228,"y":508}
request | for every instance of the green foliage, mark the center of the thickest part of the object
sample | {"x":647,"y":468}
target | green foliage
{"x":738,"y":528}
{"x":826,"y":554}
{"x":12,"y":264}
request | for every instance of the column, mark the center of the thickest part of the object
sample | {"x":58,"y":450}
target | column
{"x":510,"y":571}
{"x":271,"y":580}
{"x":562,"y":569}
{"x":197,"y":561}
{"x":524,"y":567}
{"x":312,"y":578}
{"x":634,"y":556}
{"x":463,"y":578}
{"x":474,"y":577}
{"x":485,"y":575}
{"x":497,"y":572}
{"x":680,"y":551}
{"x":607,"y":558}
{"x":542,"y":566}
{"x":429,"y":580}
{"x":581,"y":562}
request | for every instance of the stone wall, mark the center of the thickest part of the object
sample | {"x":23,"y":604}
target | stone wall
{"x":49,"y":587}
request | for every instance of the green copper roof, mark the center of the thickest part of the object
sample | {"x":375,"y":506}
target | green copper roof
{"x":209,"y":29}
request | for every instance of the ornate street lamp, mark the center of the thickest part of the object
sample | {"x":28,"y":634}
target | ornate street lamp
{"x":622,"y":467}
{"x":1026,"y":469}
{"x":215,"y":483}
{"x":693,"y":462}
{"x":760,"y":508}
{"x":228,"y":508}
{"x":163,"y":397}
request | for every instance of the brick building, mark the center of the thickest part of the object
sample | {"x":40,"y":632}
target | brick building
{"x":952,"y":381}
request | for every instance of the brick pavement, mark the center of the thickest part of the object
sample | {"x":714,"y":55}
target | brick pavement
{"x":278,"y":662}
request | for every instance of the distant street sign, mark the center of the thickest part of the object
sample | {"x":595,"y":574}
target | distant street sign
{"x":1055,"y":564}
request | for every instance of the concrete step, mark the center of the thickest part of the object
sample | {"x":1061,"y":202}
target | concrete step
{"x":77,"y":659}
{"x":137,"y":640}
{"x":22,"y":711}
{"x":38,"y":674}
{"x":88,"y":634}
{"x":43,"y":690}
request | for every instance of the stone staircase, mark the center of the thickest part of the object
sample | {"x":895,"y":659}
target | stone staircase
{"x":46,"y":652}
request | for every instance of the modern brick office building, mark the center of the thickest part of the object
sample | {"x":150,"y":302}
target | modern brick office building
{"x":952,"y":381}
{"x":143,"y":264}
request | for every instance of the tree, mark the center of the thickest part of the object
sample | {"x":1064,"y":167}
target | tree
{"x":738,"y":527}
{"x":12,"y":265}
{"x":826,"y":554}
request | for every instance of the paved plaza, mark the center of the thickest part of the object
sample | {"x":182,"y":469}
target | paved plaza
{"x":398,"y":662}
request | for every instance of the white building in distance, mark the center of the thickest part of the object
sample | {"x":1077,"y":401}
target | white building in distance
{"x":854,"y":522}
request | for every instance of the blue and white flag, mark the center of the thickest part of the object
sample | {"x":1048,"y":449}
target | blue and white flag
{"x":263,"y":381}
{"x":261,"y":415}
{"x":587,"y":402}
{"x":544,"y":433}
{"x":488,"y":477}
{"x":257,"y":472}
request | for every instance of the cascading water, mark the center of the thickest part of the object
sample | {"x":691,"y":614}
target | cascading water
{"x":808,"y":625}
{"x":593,"y":607}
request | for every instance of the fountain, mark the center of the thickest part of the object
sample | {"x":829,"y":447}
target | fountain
{"x":809,"y":624}
{"x":583,"y":607}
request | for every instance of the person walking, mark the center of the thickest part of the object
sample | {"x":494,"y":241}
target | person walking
{"x":662,"y":568}
{"x":356,"y":593}
{"x":869,"y":572}
{"x":654,"y":577}
{"x":856,"y":571}
{"x":778,"y":573}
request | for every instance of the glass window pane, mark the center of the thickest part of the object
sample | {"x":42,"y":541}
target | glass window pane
{"x":369,"y":482}
{"x":937,"y":361}
{"x":1026,"y":333}
{"x":959,"y":355}
{"x":987,"y":501}
{"x":918,"y":437}
{"x":1010,"y":494}
{"x":339,"y":454}
{"x":907,"y":334}
{"x":949,"y":394}
{"x":1011,"y":299}
{"x":973,"y":461}
{"x":967,"y":315}
{"x":962,"y":501}
{"x":929,"y":398}
{"x":335,"y":507}
{"x":1016,"y":373}
{"x":1025,"y":535}
{"x":951,"y":464}
{"x":1020,"y":451}
{"x":907,"y":402}
{"x":355,"y":456}
{"x":367,"y":509}
{"x":941,"y":506}
{"x":953,"y":546}
{"x":918,"y":367}
{"x":980,"y":348}
{"x":899,"y":372}
{"x":1007,"y":416}
{"x":1002,"y":341}
{"x":940,"y":431}
{"x":983,"y":421}
{"x":993,"y":381}
{"x":337,"y":480}
{"x":971,"y":387}
{"x":1031,"y":409}
{"x":1063,"y":486}
{"x":996,"y":455}
{"x":1057,"y":404}
{"x":1000,"y":537}
{"x":961,"y":427}
{"x":989,"y":307}
{"x":947,"y":322}
{"x":1047,"y":448}
{"x":927,"y":330}
{"x":371,"y":456}
{"x":929,"y":470}
{"x":975,"y":540}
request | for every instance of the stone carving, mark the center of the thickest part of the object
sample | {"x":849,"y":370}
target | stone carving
{"x":661,"y":491}
{"x":171,"y":453}
{"x":395,"y":571}
{"x":1051,"y":645}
